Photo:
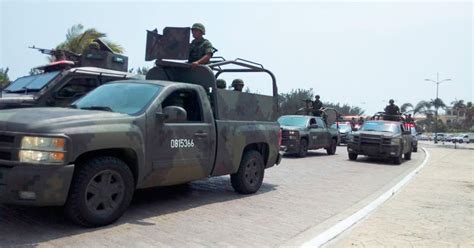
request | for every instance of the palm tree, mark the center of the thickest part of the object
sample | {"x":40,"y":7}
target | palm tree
{"x":405,"y":106}
{"x":459,"y":106}
{"x":78,"y":39}
{"x":4,"y":79}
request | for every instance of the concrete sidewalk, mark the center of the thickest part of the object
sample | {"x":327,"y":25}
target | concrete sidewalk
{"x":436,"y":209}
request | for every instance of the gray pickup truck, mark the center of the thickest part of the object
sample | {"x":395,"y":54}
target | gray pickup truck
{"x":174,"y":128}
{"x":382,"y":139}
{"x":60,"y":83}
{"x":301,"y":133}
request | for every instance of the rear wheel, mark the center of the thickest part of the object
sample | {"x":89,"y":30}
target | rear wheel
{"x":101,"y":191}
{"x":332,"y":149}
{"x":249,"y":177}
{"x":303,"y":148}
{"x":352,"y":156}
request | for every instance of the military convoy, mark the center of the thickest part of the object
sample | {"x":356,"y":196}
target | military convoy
{"x":175,"y":126}
{"x":391,"y":140}
{"x":172,"y":128}
{"x":61,"y":82}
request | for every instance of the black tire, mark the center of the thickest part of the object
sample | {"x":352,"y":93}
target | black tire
{"x":90,"y":182}
{"x":352,"y":156}
{"x":303,"y":151}
{"x":332,"y":149}
{"x":398,"y":160}
{"x":407,"y":155}
{"x":415,"y":149}
{"x":249,"y":177}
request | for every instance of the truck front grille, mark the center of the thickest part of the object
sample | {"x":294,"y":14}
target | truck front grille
{"x":7,"y":138}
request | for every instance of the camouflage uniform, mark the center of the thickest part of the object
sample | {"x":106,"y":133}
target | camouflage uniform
{"x":317,"y":106}
{"x":199,"y":47}
{"x":392,"y":112}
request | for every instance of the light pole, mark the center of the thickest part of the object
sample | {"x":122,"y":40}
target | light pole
{"x":437,"y":82}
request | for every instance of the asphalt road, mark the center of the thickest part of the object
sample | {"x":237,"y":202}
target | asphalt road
{"x":297,"y":195}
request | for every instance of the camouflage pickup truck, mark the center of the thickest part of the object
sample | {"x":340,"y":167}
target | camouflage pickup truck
{"x":301,"y":133}
{"x":173,"y":128}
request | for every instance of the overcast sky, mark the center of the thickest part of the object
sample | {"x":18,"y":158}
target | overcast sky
{"x":361,"y":53}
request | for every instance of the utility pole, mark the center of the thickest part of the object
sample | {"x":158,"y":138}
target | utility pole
{"x":437,"y":82}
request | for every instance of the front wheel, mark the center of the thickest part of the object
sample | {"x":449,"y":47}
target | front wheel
{"x":101,"y":191}
{"x":249,"y":177}
{"x":352,"y":156}
{"x":303,"y":151}
{"x":407,"y":155}
{"x":332,"y":149}
{"x":398,"y":160}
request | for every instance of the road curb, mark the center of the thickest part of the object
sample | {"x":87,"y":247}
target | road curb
{"x":335,"y":230}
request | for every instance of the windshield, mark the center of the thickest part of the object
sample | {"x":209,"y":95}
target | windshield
{"x":381,"y":127}
{"x":31,"y":83}
{"x":342,"y":127}
{"x":293,"y":121}
{"x":126,"y":98}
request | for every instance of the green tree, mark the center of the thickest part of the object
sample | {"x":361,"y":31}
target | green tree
{"x":140,"y":70}
{"x":78,"y":39}
{"x":292,"y":101}
{"x":4,"y":79}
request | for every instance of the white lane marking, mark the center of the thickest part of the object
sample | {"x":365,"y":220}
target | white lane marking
{"x":343,"y":225}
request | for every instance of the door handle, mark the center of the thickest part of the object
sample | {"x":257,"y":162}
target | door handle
{"x":200,"y":134}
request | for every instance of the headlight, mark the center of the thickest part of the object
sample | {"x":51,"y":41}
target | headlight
{"x":28,"y":156}
{"x":42,"y":150}
{"x":395,"y":142}
{"x":43,"y":143}
{"x":293,"y":134}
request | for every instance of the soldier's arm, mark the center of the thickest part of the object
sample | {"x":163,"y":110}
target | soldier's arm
{"x":208,"y":50}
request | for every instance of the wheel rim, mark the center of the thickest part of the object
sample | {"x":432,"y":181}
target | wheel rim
{"x":104,"y":192}
{"x":252,"y":172}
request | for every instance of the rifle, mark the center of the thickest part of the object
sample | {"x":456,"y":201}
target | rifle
{"x":58,"y":52}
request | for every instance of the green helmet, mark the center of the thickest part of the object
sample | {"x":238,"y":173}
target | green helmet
{"x":199,"y":26}
{"x":237,"y":81}
{"x":220,"y":83}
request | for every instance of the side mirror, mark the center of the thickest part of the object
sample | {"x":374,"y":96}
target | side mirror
{"x":173,"y":114}
{"x":312,"y":126}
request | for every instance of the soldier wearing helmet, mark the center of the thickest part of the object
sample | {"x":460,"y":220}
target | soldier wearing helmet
{"x":392,"y":111}
{"x":317,"y":106}
{"x":201,"y":50}
{"x":238,"y":84}
{"x":221,"y":84}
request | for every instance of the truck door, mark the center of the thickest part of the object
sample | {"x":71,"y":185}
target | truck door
{"x":183,"y":151}
{"x":323,"y":133}
{"x":75,"y":87}
{"x":313,"y":134}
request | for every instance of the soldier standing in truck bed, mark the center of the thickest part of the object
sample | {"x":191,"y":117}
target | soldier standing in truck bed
{"x":317,"y":106}
{"x":392,"y":111}
{"x":201,"y":49}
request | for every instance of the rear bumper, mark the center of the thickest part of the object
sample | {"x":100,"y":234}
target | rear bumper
{"x":381,"y":151}
{"x":38,"y":185}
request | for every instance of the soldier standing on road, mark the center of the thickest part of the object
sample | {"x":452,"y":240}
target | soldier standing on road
{"x":317,"y":106}
{"x":238,"y":84}
{"x":392,"y":111}
{"x":201,"y":50}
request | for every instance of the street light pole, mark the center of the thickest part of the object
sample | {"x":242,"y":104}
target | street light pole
{"x":437,"y":82}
